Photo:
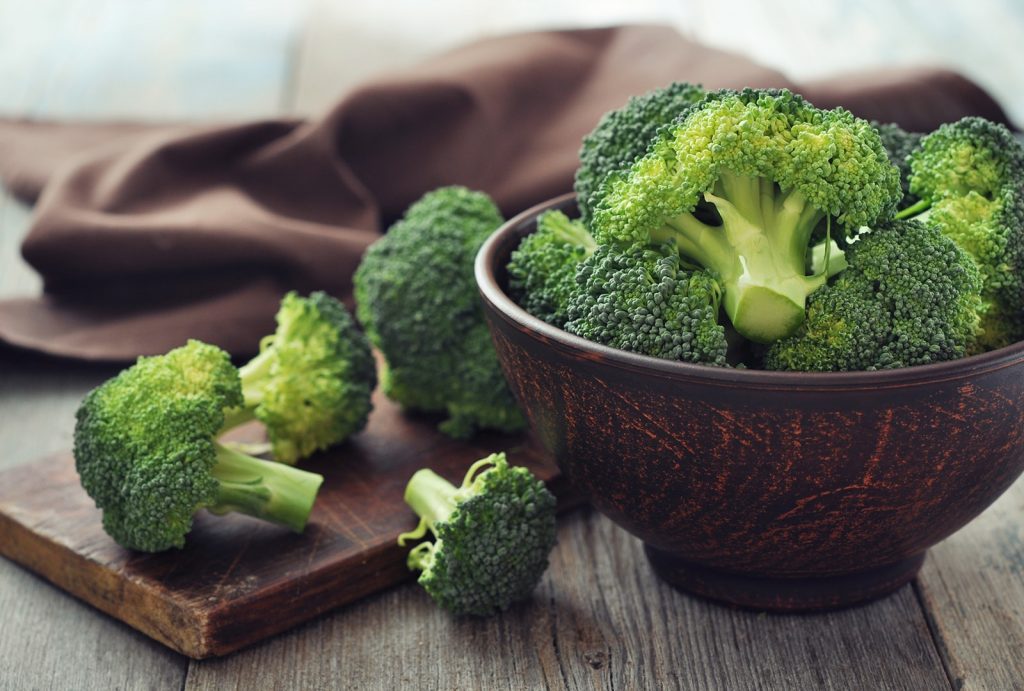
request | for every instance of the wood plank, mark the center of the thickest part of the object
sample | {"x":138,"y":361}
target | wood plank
{"x":599,"y":620}
{"x":215,"y":595}
{"x":973,"y":590}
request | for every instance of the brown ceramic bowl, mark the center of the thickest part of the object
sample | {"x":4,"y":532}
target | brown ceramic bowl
{"x":772,"y":490}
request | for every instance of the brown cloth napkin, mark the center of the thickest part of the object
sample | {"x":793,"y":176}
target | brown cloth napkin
{"x":147,"y":236}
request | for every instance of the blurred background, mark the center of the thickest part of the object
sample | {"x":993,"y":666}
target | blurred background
{"x":187,"y":60}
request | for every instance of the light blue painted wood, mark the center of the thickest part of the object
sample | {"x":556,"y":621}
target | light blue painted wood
{"x":146,"y":60}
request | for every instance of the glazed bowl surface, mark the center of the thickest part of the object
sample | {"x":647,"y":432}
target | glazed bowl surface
{"x":774,"y":490}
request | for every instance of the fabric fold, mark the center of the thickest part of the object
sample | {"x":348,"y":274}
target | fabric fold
{"x":148,"y":235}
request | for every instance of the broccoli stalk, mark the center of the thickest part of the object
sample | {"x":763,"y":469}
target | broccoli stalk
{"x":759,"y":252}
{"x":492,"y":535}
{"x":263,"y":489}
{"x":146,"y":453}
{"x":739,"y":184}
{"x":312,"y":380}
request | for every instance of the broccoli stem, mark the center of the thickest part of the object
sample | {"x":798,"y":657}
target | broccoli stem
{"x":271,"y":491}
{"x":572,"y":233}
{"x":432,"y":498}
{"x":914,"y":209}
{"x":759,"y":253}
{"x":254,"y":375}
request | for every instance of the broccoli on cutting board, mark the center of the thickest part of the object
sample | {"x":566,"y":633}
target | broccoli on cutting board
{"x":492,"y":535}
{"x":311,"y":383}
{"x":146,"y":452}
{"x":417,"y":299}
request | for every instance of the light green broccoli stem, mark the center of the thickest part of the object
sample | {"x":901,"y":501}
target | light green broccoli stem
{"x":572,"y":233}
{"x":914,"y":209}
{"x":270,"y":491}
{"x":434,"y":499}
{"x":759,"y":253}
{"x":254,"y":375}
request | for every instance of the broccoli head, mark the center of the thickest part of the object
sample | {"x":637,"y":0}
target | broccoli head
{"x":645,"y":300}
{"x":492,"y":535}
{"x":739,"y":184}
{"x":542,"y":270}
{"x":622,"y":136}
{"x":909,"y":296}
{"x":146,"y":453}
{"x":312,"y":380}
{"x":969,"y":176}
{"x":898,"y":144}
{"x":418,"y":300}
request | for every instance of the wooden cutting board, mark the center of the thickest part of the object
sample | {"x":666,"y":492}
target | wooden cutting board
{"x":239,"y":580}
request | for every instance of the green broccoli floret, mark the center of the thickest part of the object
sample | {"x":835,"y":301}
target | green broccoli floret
{"x":898,"y":144}
{"x":739,"y":184}
{"x":542,"y":270}
{"x":312,"y":380}
{"x":417,"y":297}
{"x":909,"y":296}
{"x":646,"y":301}
{"x":970,"y":178}
{"x":492,"y":535}
{"x":145,"y":452}
{"x":622,"y":136}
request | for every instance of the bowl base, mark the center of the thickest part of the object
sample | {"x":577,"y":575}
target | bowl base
{"x":783,"y":594}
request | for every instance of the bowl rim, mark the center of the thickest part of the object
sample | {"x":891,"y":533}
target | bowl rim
{"x":504,"y":306}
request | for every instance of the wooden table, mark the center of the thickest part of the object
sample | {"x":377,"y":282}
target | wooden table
{"x":600,"y":618}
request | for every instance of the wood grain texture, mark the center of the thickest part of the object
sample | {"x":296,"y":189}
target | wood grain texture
{"x":238,"y":581}
{"x":973,"y":590}
{"x":599,"y":620}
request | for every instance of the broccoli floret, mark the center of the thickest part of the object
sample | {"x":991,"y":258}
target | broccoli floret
{"x":909,"y":296}
{"x":898,"y":144}
{"x":492,"y":535}
{"x":622,"y":136}
{"x":418,"y":300}
{"x":739,"y":184}
{"x":542,"y":270}
{"x":645,"y":300}
{"x":145,"y":452}
{"x":312,"y":380}
{"x":970,"y":178}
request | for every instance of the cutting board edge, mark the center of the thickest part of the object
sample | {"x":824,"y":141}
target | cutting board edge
{"x":169,"y":623}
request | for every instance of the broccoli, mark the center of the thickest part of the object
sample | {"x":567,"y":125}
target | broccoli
{"x":898,"y":144}
{"x":418,"y":300}
{"x":645,"y":300}
{"x":312,"y":380}
{"x":492,"y":535}
{"x":909,"y":296}
{"x":542,"y":270}
{"x":769,"y":168}
{"x":622,"y":136}
{"x":146,"y":453}
{"x":969,"y":176}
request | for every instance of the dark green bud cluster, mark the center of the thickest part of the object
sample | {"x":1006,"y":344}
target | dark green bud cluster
{"x":645,"y":301}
